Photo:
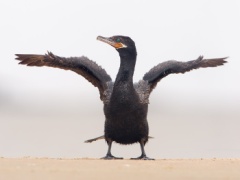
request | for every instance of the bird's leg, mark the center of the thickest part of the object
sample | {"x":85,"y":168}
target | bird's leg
{"x":143,"y":156}
{"x":109,"y":155}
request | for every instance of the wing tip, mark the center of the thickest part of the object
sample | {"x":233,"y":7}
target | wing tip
{"x":30,"y":59}
{"x":18,"y":56}
{"x":21,"y":58}
{"x":223,"y":60}
{"x":214,"y":62}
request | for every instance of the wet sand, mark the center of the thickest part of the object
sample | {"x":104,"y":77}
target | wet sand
{"x":46,"y":169}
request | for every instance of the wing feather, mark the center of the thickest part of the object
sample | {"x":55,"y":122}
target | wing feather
{"x":81,"y":65}
{"x":169,"y":67}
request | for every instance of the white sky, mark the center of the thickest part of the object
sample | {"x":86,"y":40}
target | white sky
{"x":50,"y":112}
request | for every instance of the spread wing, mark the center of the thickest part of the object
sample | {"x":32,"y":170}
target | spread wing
{"x":163,"y":69}
{"x":81,"y":65}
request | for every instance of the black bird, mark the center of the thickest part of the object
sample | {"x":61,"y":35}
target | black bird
{"x":125,"y":102}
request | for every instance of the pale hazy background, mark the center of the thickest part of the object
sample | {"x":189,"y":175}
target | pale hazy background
{"x":47,"y":112}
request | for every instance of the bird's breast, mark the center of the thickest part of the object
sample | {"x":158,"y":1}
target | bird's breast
{"x":124,"y":94}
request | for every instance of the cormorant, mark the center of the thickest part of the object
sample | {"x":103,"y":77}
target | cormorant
{"x":125,"y":102}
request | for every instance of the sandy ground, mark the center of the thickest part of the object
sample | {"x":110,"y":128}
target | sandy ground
{"x":47,"y":169}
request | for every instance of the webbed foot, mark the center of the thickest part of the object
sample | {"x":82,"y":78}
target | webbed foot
{"x":142,"y":157}
{"x":110,"y":157}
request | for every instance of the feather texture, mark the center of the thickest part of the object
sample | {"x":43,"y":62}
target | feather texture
{"x":81,"y":65}
{"x":154,"y":75}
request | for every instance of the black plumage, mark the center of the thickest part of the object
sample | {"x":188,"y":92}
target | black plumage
{"x":125,"y":102}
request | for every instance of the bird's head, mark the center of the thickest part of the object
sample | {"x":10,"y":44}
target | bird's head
{"x":123,"y":44}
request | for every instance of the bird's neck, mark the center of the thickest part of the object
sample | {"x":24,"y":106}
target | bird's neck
{"x":126,"y":70}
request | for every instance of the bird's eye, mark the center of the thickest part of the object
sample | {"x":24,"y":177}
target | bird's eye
{"x":118,"y":40}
